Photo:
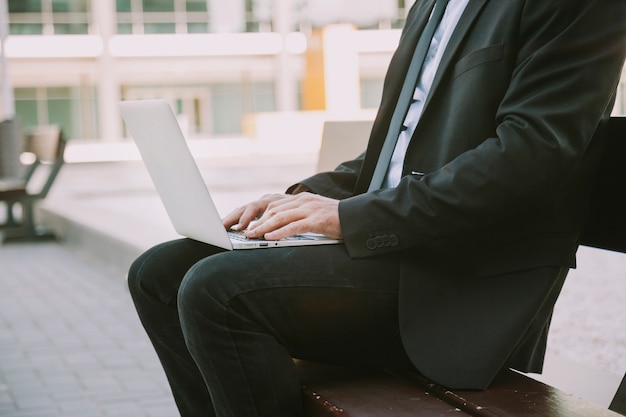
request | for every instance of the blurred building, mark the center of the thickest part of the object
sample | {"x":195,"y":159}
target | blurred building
{"x":70,"y":61}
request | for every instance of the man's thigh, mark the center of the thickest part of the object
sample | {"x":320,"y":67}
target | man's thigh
{"x":159,"y":271}
{"x":315,"y":300}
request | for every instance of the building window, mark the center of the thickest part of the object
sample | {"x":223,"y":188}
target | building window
{"x":72,"y":108}
{"x":258,"y":15}
{"x":364,"y":14}
{"x":123,"y":6}
{"x":158,"y":5}
{"x":49,"y":17}
{"x":230,"y":101}
{"x":24,"y":6}
{"x":206,"y":110}
{"x":196,"y":6}
{"x":197,"y":27}
{"x":26,"y":107}
{"x":162,"y":16}
{"x":194,"y":16}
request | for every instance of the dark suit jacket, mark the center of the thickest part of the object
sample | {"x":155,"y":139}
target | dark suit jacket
{"x":506,"y":151}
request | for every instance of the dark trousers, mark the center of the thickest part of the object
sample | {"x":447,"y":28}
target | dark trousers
{"x":226,"y":325}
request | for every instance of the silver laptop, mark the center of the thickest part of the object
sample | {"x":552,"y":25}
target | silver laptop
{"x":178,"y":181}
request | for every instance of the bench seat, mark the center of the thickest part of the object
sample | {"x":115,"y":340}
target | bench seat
{"x":330,"y":391}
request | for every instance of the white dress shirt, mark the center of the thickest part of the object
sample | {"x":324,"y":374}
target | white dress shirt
{"x":435,"y":52}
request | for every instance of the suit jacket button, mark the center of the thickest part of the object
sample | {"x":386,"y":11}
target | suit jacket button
{"x":371,"y":243}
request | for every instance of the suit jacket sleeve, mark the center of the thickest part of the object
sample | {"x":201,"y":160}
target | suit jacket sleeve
{"x":338,"y":184}
{"x":565,"y":68}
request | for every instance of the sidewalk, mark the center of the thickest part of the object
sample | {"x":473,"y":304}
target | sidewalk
{"x":70,"y":342}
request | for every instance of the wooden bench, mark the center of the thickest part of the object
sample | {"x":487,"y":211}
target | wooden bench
{"x":335,"y":391}
{"x":340,"y":392}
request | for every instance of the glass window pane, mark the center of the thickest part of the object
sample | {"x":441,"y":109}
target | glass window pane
{"x":196,"y":5}
{"x":71,"y":28}
{"x":158,"y":5}
{"x":159,"y":28}
{"x":24,"y":6}
{"x":59,"y":6}
{"x":123,"y":6}
{"x":26,"y":29}
{"x":124,"y":28}
{"x":64,"y":6}
{"x":26,"y":111}
{"x":60,"y":113}
{"x":226,"y":102}
{"x":263,"y":97}
{"x":253,"y":27}
{"x":63,"y":110}
{"x":197,"y":28}
{"x":26,"y":107}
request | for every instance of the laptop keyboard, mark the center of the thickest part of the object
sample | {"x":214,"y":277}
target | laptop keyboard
{"x":239,"y":235}
{"x":234,"y":234}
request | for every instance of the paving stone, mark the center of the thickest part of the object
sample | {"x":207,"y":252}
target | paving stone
{"x":70,"y":341}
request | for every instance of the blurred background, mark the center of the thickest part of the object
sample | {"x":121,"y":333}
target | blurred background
{"x":223,"y":65}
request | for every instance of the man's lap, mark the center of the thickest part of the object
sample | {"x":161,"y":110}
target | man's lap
{"x":315,"y":300}
{"x":166,"y":264}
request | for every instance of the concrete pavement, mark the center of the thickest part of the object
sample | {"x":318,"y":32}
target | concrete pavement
{"x":70,"y":341}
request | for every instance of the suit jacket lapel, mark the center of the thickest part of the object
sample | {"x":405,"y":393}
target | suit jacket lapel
{"x":398,"y":67}
{"x":416,"y":21}
{"x":472,"y":10}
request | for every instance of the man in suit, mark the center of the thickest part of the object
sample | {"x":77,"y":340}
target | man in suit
{"x":452,"y":265}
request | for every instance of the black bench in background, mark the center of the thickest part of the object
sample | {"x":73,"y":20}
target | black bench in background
{"x":47,"y":146}
{"x":340,"y":392}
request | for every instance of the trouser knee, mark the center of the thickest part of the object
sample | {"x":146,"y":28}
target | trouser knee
{"x":157,"y":273}
{"x":204,"y":287}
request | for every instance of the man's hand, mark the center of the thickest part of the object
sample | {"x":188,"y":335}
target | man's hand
{"x":282,"y":215}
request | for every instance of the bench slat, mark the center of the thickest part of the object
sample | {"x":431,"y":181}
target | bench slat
{"x":342,"y":392}
{"x":514,"y":394}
